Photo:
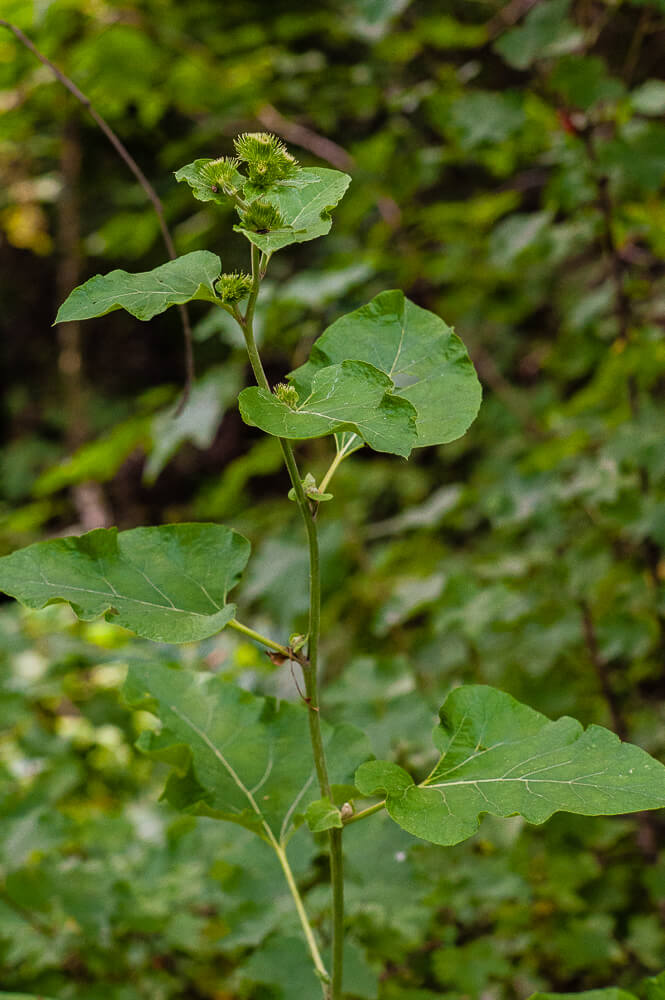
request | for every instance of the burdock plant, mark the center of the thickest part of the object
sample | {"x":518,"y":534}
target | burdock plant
{"x":392,"y":377}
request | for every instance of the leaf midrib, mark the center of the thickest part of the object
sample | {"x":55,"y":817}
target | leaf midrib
{"x":133,"y":600}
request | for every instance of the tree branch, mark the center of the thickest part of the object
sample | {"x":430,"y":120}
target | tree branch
{"x":125,"y":155}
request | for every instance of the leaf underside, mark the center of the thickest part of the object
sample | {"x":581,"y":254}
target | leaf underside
{"x":424,"y":358}
{"x":146,"y":294}
{"x":503,"y":758}
{"x":352,"y":396}
{"x":166,"y":583}
{"x":237,"y":756}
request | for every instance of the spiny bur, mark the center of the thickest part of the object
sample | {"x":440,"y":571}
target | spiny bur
{"x":262,"y":217}
{"x":234,"y":287}
{"x":267,"y":159}
{"x":221,"y":173}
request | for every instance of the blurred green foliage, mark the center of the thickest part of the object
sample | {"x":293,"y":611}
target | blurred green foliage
{"x":508,"y":162}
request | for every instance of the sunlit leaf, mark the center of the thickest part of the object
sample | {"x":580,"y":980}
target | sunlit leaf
{"x":424,"y":358}
{"x":503,"y":758}
{"x":168,"y":583}
{"x":146,"y":294}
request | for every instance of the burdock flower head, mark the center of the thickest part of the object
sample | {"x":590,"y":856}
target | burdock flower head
{"x":267,"y":159}
{"x":234,"y":287}
{"x":221,"y":174}
{"x":262,"y":217}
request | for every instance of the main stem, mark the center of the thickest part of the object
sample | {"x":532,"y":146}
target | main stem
{"x":310,"y":668}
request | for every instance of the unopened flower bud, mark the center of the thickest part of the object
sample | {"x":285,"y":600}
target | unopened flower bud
{"x":221,"y":174}
{"x":287,"y":394}
{"x":267,"y":158}
{"x":234,"y":287}
{"x":262,"y":217}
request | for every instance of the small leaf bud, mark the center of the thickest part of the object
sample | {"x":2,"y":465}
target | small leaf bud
{"x":233,"y":287}
{"x":287,"y":394}
{"x":297,"y":641}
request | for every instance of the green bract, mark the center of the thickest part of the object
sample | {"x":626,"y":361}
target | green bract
{"x":427,"y":363}
{"x":147,"y":294}
{"x":501,"y":757}
{"x":168,"y":584}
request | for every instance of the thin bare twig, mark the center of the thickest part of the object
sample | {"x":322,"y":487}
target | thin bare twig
{"x":317,"y":144}
{"x":509,"y":15}
{"x":125,"y":155}
{"x":602,"y":671}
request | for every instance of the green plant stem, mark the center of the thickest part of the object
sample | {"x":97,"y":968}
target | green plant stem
{"x":302,"y":914}
{"x":364,"y":813}
{"x":257,"y":637}
{"x":334,"y":465}
{"x":310,"y":667}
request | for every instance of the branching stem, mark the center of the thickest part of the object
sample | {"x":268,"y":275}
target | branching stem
{"x":257,"y":637}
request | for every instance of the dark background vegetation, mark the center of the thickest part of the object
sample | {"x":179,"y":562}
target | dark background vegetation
{"x":508,"y":161}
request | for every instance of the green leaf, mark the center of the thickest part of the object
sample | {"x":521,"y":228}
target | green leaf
{"x":193,"y":174}
{"x":210,"y":397}
{"x":610,"y":993}
{"x":283,"y":964}
{"x":655,"y":987}
{"x":236,"y":756}
{"x":22,"y":996}
{"x":421,"y":354}
{"x":322,"y":815}
{"x":168,"y":583}
{"x":351,"y":396}
{"x":148,"y":293}
{"x":501,"y":757}
{"x":545,"y":32}
{"x":306,"y":209}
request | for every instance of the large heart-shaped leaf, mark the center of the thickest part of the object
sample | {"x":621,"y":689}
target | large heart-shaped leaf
{"x":501,"y":757}
{"x":148,"y":293}
{"x":237,"y":756}
{"x":305,"y":208}
{"x":168,"y":583}
{"x":425,"y":359}
{"x":352,"y":396}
